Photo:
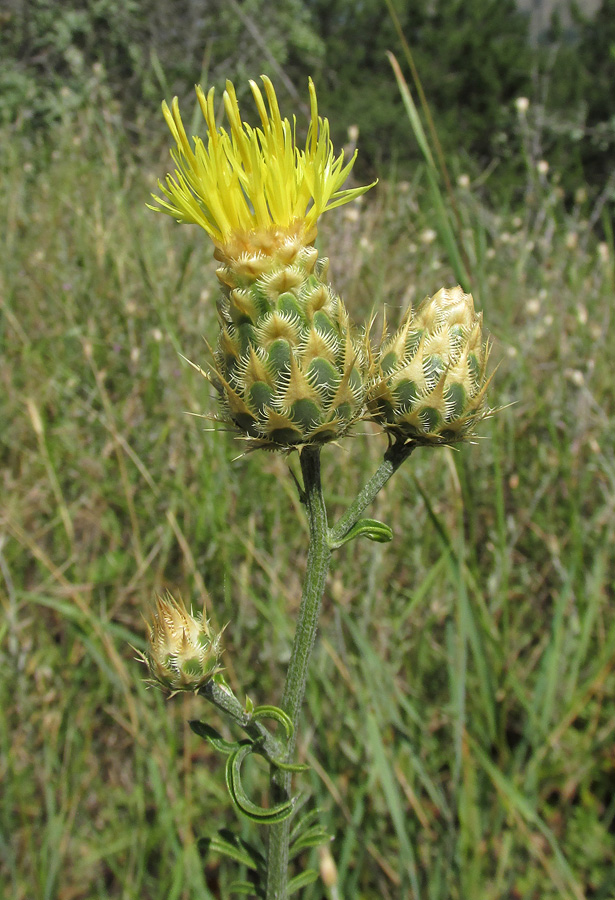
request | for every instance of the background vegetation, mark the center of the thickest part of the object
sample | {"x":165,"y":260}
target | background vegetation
{"x":460,"y":720}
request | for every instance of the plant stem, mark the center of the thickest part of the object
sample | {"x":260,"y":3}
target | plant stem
{"x":226,"y":701}
{"x":393,"y":458}
{"x":319,"y":555}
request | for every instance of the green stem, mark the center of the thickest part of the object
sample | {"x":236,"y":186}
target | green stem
{"x":319,"y":555}
{"x":226,"y":701}
{"x":393,"y":458}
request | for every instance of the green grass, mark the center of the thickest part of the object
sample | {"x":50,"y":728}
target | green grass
{"x":460,"y":717}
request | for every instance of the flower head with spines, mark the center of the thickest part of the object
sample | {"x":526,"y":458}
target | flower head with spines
{"x":429,"y":378}
{"x":183,"y":653}
{"x":289,"y":367}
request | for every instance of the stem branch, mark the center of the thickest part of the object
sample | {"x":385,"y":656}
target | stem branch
{"x":393,"y":458}
{"x":222,"y":697}
{"x":319,"y":556}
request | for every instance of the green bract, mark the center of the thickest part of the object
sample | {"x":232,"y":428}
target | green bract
{"x":289,"y":366}
{"x":430,"y":376}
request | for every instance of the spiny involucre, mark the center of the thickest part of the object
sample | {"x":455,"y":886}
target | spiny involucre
{"x":289,"y":366}
{"x":183,"y":654}
{"x":430,"y":376}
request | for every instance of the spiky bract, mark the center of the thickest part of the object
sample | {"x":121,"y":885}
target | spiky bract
{"x":430,"y":379}
{"x":289,"y":366}
{"x":183,"y":653}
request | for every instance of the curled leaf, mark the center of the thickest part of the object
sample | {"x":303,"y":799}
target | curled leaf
{"x":277,"y":714}
{"x":260,"y":814}
{"x":372,"y":529}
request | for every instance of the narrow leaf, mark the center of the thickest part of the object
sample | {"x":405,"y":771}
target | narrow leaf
{"x":522,"y":805}
{"x":261,"y":814}
{"x":289,"y":767}
{"x":313,"y":837}
{"x":390,"y":788}
{"x":243,"y":887}
{"x":226,"y":848}
{"x":372,"y":529}
{"x":304,"y":822}
{"x":442,"y":217}
{"x":257,"y":857}
{"x":299,"y":881}
{"x":212,"y":737}
{"x":277,"y":714}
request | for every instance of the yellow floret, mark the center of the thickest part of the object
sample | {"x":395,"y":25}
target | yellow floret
{"x":246,"y":180}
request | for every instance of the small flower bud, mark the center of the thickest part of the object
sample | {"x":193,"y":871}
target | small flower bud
{"x":430,"y":376}
{"x":183,"y":654}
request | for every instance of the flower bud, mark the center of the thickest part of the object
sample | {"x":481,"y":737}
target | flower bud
{"x":290,"y":368}
{"x":430,"y":376}
{"x":182,"y":654}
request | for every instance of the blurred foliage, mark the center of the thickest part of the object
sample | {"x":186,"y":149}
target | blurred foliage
{"x":140,"y":50}
{"x":581,"y":95}
{"x":474,"y":58}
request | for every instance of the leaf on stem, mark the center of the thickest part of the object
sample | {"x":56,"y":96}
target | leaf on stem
{"x":227,"y":844}
{"x":277,"y":714}
{"x":313,"y":837}
{"x":212,"y":737}
{"x":299,"y":881}
{"x":372,"y":529}
{"x":260,"y":814}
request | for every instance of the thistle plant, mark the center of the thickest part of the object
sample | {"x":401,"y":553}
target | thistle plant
{"x":292,"y":373}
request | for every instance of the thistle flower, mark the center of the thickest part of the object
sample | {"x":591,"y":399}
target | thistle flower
{"x":253,"y":188}
{"x":430,"y":379}
{"x":288,"y":366}
{"x":183,"y":654}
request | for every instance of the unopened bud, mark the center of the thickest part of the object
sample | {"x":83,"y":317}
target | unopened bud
{"x":430,"y":378}
{"x":183,"y":653}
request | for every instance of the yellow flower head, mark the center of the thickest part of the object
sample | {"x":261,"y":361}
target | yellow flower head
{"x":253,"y":181}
